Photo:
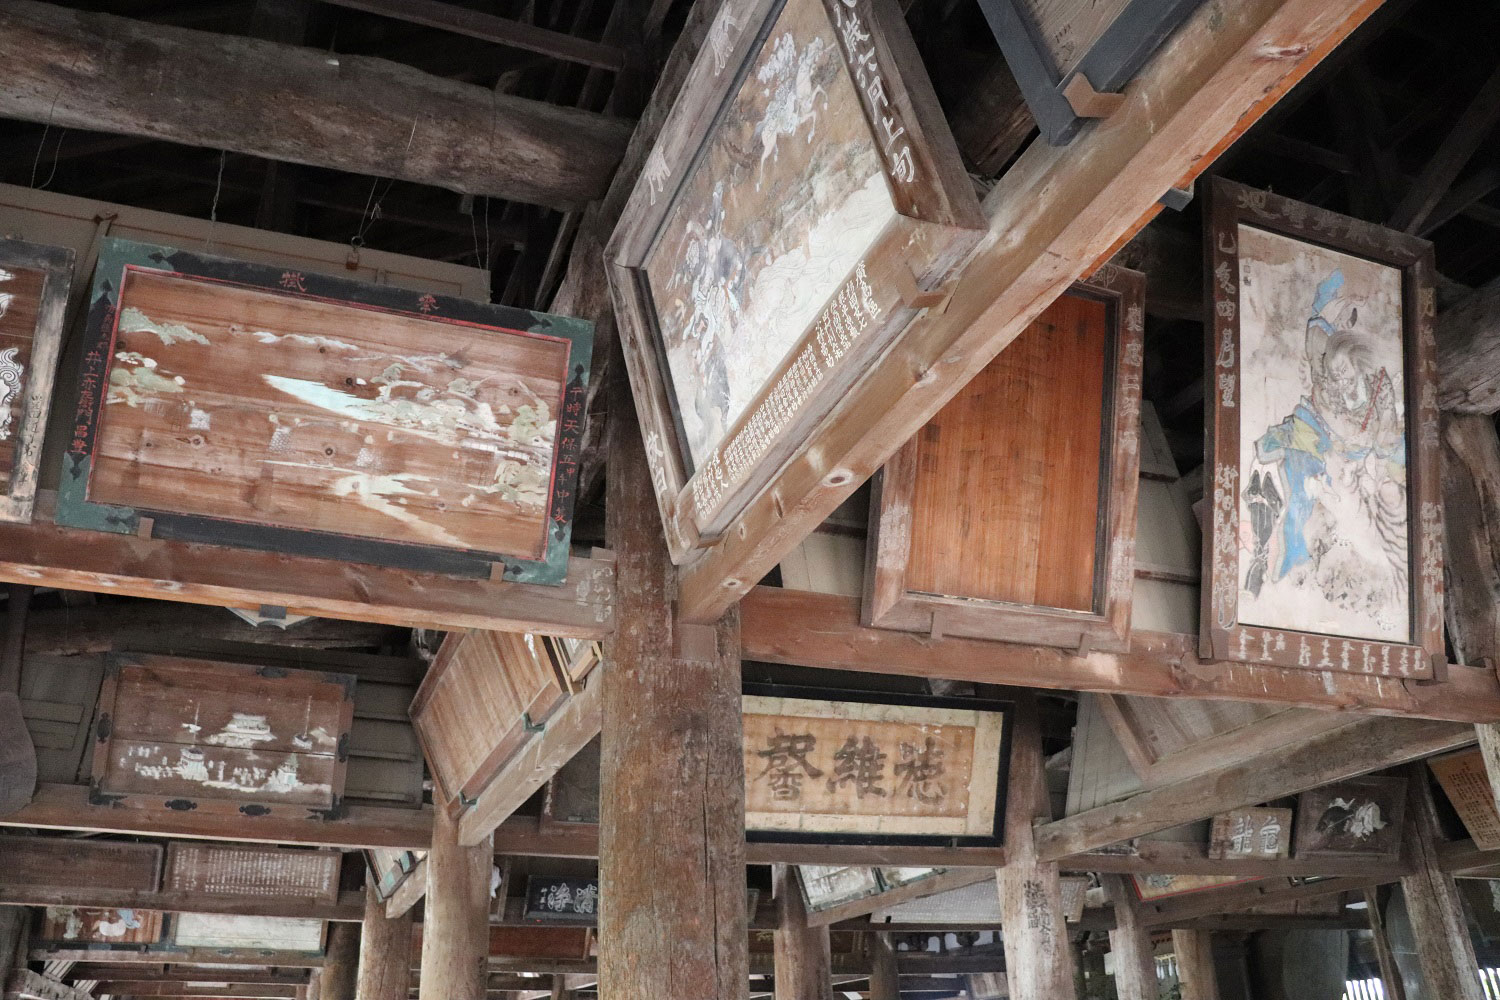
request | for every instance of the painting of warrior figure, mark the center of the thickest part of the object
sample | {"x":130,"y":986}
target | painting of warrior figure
{"x":1324,"y":535}
{"x":782,"y":205}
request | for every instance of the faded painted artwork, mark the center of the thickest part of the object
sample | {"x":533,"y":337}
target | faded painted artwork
{"x":1162,"y":886}
{"x":854,"y":767}
{"x":1324,"y":533}
{"x":1359,"y":816}
{"x":785,"y":200}
{"x":240,"y":403}
{"x":20,"y":296}
{"x":101,"y":926}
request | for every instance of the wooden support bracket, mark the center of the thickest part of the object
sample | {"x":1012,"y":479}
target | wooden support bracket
{"x":1088,"y":102}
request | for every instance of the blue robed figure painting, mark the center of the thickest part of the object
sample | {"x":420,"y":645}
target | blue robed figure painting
{"x":1323,"y":503}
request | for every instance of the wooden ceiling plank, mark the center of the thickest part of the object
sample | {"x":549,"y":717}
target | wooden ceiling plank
{"x":1056,"y":214}
{"x":1363,"y":746}
{"x":489,"y":28}
{"x":44,"y":554}
{"x":298,"y":105}
{"x":823,"y":630}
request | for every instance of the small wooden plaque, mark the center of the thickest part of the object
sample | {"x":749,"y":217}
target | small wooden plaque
{"x":1467,"y":786}
{"x":224,"y":870}
{"x":82,"y":924}
{"x":1358,"y":817}
{"x":1251,"y":833}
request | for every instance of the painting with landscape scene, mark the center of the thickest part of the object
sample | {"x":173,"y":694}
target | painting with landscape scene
{"x":1324,"y":536}
{"x":785,"y":199}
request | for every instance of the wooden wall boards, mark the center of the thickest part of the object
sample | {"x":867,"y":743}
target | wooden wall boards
{"x":231,"y":402}
{"x":55,"y":861}
{"x":1012,"y":514}
{"x":803,"y":202}
{"x":1325,"y":545}
{"x":1072,"y":58}
{"x":202,"y":736}
{"x":1462,"y":775}
{"x":925,"y":770}
{"x":482,"y":698}
{"x":34,"y":283}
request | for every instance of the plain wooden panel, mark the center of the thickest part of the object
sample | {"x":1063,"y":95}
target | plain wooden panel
{"x":1007,"y":492}
{"x":58,"y":695}
{"x":261,"y":407}
{"x":43,"y":861}
{"x":224,"y":870}
{"x":473,"y":708}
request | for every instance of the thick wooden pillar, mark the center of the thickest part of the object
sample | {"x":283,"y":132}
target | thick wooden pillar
{"x":1195,"y":964}
{"x":1449,"y":968}
{"x":456,"y":921}
{"x":13,"y":925}
{"x":1135,"y":963}
{"x":804,"y":958}
{"x":384,"y":952}
{"x":341,"y":964}
{"x":1038,"y":961}
{"x":314,"y":988}
{"x":672,"y":922}
{"x":885,"y":980}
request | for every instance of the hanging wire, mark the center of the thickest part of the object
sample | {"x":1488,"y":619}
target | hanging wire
{"x":213,"y":210}
{"x":56,"y":156}
{"x":372,"y":201}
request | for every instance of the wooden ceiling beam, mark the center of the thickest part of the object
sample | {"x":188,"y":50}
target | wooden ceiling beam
{"x":154,"y":987}
{"x":1166,"y":857}
{"x":298,"y":105}
{"x":1182,"y":911}
{"x":1363,"y":746}
{"x":1471,"y":130}
{"x":349,"y":907}
{"x":44,"y":554}
{"x":823,"y":630}
{"x":489,"y":28}
{"x":1468,"y":351}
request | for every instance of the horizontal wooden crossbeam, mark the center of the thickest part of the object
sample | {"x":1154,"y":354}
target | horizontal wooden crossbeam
{"x":44,"y":554}
{"x":823,"y":630}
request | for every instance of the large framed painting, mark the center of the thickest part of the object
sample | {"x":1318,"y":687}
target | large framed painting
{"x":1044,"y":550}
{"x":864,"y":768}
{"x":1324,"y":547}
{"x":1069,"y":57}
{"x":199,"y":736}
{"x":804,"y":200}
{"x":34,"y":281}
{"x":241,"y":404}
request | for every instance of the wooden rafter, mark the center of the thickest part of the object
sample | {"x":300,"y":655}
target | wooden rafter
{"x":351,"y":113}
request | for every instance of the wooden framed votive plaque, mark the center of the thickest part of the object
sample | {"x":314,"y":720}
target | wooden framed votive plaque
{"x":1324,"y":546}
{"x":1012,"y":514}
{"x":236,"y":403}
{"x":803,"y":202}
{"x":34,"y":281}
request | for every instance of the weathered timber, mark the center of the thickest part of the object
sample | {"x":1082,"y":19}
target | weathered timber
{"x":455,"y":938}
{"x":803,"y":956}
{"x":680,"y":826}
{"x":409,"y":892}
{"x":1168,"y":857}
{"x":1390,"y":974}
{"x":1436,"y":911}
{"x":1359,"y":748}
{"x":1468,"y":349}
{"x":1135,"y":961}
{"x":1181,"y":911}
{"x":1038,"y":957}
{"x":1471,"y":508}
{"x":1194,"y":951}
{"x":1457,"y":148}
{"x":159,"y":954}
{"x":14,"y":923}
{"x":885,"y":981}
{"x":23,"y":984}
{"x":489,"y":28}
{"x":957,"y":878}
{"x":354,"y":113}
{"x":341,"y":965}
{"x":220,"y":989}
{"x":44,"y":554}
{"x":348,"y":908}
{"x":1053,"y":217}
{"x":67,"y":807}
{"x":100,"y":628}
{"x":823,"y":630}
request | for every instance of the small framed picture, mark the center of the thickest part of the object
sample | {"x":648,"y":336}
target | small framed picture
{"x":1361,"y":816}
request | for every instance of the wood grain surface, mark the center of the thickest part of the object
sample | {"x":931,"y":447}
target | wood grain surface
{"x":1007,"y":490}
{"x":255,"y":406}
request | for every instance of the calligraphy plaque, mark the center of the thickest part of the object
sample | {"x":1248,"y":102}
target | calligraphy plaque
{"x":233,"y":870}
{"x":1012,"y":514}
{"x":1462,"y":775}
{"x":803,"y":202}
{"x":1324,"y":545}
{"x":241,"y":404}
{"x":34,"y":284}
{"x":1251,"y":833}
{"x":563,"y":899}
{"x":866,"y":767}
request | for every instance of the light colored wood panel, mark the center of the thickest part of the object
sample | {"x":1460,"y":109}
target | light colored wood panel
{"x":255,"y":406}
